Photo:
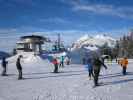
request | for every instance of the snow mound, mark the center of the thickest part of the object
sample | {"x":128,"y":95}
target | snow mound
{"x":30,"y":58}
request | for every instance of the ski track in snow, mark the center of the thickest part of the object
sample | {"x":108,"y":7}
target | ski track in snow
{"x":71,"y":83}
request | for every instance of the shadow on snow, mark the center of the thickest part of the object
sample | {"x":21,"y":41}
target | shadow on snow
{"x":52,"y":72}
{"x":59,"y":74}
{"x":117,"y":81}
{"x":115,"y":75}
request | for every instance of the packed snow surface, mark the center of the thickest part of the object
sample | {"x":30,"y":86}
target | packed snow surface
{"x":71,"y":83}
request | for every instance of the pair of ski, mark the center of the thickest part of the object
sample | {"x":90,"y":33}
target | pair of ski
{"x":99,"y":84}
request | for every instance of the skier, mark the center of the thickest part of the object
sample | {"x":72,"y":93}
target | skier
{"x":14,"y":52}
{"x":110,"y":60}
{"x":90,"y":68}
{"x":96,"y":68}
{"x":67,"y":61}
{"x":55,"y":62}
{"x":83,"y":60}
{"x":116,"y":59}
{"x":120,"y":61}
{"x":4,"y":65}
{"x":19,"y":67}
{"x":62,"y":61}
{"x":124,"y":64}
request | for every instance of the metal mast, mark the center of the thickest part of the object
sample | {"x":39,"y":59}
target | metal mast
{"x":58,"y":42}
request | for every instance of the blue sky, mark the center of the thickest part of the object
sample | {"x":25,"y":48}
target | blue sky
{"x":71,"y":18}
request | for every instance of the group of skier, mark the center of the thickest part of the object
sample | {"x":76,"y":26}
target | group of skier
{"x":60,"y":62}
{"x":94,"y":66}
{"x":18,"y":66}
{"x":55,"y":61}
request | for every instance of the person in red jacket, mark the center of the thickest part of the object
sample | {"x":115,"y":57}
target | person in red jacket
{"x":55,"y":62}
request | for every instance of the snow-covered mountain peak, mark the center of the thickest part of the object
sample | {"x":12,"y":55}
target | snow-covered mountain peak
{"x":97,"y":40}
{"x":104,"y":36}
{"x":85,"y":37}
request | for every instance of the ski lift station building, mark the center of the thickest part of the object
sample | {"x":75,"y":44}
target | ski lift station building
{"x":31,"y":43}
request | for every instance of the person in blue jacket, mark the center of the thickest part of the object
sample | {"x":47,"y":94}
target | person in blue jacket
{"x":90,"y":68}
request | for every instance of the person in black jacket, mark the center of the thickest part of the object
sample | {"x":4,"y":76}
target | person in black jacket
{"x":19,"y":67}
{"x":4,"y":65}
{"x":97,"y":64}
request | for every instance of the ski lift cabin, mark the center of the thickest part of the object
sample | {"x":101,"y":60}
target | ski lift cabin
{"x":31,"y":43}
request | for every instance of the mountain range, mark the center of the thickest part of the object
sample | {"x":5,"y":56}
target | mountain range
{"x":94,"y":41}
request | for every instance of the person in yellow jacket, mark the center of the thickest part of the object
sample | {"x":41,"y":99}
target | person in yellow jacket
{"x":124,"y":63}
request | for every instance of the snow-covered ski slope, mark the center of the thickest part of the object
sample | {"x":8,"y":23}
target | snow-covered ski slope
{"x":72,"y":83}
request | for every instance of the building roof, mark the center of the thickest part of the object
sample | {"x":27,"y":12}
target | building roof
{"x":32,"y":36}
{"x":36,"y":37}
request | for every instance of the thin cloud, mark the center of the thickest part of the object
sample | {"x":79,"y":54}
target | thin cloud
{"x":104,"y":9}
{"x":55,"y":20}
{"x":6,"y":31}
